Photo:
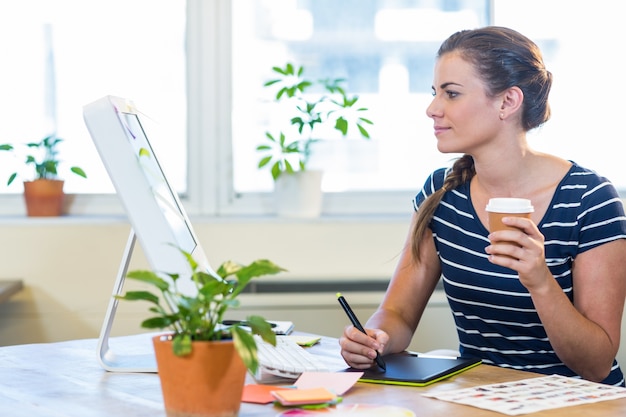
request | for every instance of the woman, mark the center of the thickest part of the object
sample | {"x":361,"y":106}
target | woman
{"x":544,"y":297}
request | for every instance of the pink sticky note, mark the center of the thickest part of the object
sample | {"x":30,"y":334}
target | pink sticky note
{"x":337,"y":382}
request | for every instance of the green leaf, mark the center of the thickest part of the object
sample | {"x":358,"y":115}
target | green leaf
{"x":78,"y":171}
{"x":149,"y":277}
{"x":364,"y":132}
{"x":265,"y":161}
{"x":342,"y":125}
{"x":282,"y":139}
{"x":258,"y":325}
{"x":173,"y":277}
{"x":139,"y":295}
{"x":303,"y":85}
{"x":293,"y":147}
{"x":271,"y":82}
{"x":276,"y":171}
{"x":288,"y":168}
{"x":279,"y":70}
{"x":192,"y":262}
{"x":182,"y":344}
{"x":228,"y":268}
{"x":212,"y":289}
{"x":204,"y":278}
{"x":257,"y":268}
{"x":282,"y":91}
{"x":246,"y":348}
{"x":156,"y":323}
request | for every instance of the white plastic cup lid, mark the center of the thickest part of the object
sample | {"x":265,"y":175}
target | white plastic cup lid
{"x":510,"y":205}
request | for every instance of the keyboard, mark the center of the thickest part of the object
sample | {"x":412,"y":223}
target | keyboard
{"x":287,"y":359}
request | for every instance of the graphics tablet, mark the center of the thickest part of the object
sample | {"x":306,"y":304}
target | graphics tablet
{"x":414,"y":370}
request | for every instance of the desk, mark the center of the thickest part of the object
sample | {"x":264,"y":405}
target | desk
{"x":64,"y":380}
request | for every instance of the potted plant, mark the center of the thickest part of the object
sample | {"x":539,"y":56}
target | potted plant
{"x":196,"y":334}
{"x":287,"y":155}
{"x":43,"y":194}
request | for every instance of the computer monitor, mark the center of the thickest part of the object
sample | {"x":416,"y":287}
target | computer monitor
{"x":157,"y":217}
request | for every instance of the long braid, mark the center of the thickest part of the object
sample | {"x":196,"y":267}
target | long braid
{"x":462,"y":171}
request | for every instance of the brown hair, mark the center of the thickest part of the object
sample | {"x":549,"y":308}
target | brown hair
{"x":504,"y":58}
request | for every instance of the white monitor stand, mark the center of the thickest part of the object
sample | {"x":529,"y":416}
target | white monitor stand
{"x":140,"y":360}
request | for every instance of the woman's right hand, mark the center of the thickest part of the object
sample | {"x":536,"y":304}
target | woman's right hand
{"x":359,"y":349}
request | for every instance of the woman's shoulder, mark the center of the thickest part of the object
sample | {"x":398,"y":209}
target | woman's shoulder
{"x":436,"y":179}
{"x":583,"y":178}
{"x":433,"y":182}
{"x":584,"y":189}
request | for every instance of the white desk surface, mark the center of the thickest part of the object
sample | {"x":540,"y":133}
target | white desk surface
{"x":65,"y":380}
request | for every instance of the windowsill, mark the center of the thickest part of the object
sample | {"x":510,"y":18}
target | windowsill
{"x":117,"y":218}
{"x":254,"y":207}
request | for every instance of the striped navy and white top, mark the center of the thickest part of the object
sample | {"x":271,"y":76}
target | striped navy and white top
{"x":494,"y":314}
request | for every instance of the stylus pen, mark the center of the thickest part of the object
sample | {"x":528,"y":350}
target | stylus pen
{"x":357,"y":324}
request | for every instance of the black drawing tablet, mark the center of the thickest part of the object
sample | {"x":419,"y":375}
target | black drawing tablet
{"x":415,"y":370}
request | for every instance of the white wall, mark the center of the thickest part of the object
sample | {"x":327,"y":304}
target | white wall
{"x":69,"y":265}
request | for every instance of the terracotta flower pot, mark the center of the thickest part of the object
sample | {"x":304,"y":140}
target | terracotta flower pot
{"x":44,"y":197}
{"x":207,"y":383}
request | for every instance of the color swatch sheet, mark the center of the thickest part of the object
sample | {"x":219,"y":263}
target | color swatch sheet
{"x":532,"y":395}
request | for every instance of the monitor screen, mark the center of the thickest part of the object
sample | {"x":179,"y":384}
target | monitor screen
{"x":154,"y":210}
{"x":163,"y":194}
{"x":157,"y":218}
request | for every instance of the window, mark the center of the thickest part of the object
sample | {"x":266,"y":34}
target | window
{"x":197,"y":68}
{"x":386,"y":51}
{"x":581,"y":47}
{"x":60,"y":55}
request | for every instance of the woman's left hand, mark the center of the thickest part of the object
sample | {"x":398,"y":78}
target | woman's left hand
{"x":521,"y":250}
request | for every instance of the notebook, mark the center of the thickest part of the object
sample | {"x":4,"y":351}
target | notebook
{"x":412,"y":369}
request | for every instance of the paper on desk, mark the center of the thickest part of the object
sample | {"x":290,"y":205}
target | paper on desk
{"x":309,"y":396}
{"x":306,"y":341}
{"x":260,"y":394}
{"x":532,"y":394}
{"x":337,"y":382}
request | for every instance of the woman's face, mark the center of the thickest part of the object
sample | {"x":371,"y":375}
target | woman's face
{"x":465,"y":117}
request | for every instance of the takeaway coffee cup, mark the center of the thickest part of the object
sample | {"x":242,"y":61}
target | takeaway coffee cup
{"x":507,"y":207}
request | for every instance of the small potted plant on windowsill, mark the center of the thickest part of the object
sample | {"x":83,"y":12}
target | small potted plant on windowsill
{"x":287,"y":155}
{"x":195,"y":378}
{"x":43,"y":195}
